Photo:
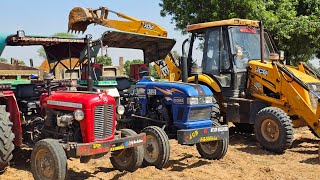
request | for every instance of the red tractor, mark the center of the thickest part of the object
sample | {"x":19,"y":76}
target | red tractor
{"x":62,"y":124}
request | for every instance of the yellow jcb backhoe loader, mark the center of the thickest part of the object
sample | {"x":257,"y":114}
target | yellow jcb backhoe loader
{"x":255,"y":89}
{"x":80,"y":18}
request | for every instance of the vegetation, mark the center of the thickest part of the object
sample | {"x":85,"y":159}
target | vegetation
{"x":129,"y":62}
{"x":105,"y":60}
{"x":152,"y":68}
{"x":293,"y":24}
{"x":3,"y":60}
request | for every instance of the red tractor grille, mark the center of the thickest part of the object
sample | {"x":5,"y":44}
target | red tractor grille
{"x":103,"y":121}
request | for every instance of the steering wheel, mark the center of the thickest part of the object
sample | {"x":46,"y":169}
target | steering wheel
{"x":38,"y":89}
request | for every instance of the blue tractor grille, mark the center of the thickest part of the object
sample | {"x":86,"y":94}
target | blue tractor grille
{"x":200,"y":113}
{"x":103,"y":121}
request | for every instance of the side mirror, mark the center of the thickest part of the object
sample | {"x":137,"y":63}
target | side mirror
{"x":274,"y":57}
{"x":195,"y":70}
{"x":281,"y":55}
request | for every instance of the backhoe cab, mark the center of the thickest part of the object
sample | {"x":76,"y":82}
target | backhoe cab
{"x":255,"y":90}
{"x":227,"y":47}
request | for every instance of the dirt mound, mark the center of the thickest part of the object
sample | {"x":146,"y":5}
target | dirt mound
{"x":244,"y":160}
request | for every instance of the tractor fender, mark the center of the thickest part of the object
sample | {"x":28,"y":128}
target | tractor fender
{"x":208,"y":81}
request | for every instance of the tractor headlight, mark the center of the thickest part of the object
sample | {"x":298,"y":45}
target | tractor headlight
{"x":120,"y":109}
{"x":78,"y":115}
{"x":193,"y":100}
{"x":209,"y":100}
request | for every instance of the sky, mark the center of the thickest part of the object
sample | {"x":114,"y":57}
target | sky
{"x":39,"y":17}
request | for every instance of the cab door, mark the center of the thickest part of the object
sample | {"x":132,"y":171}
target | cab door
{"x":216,"y":61}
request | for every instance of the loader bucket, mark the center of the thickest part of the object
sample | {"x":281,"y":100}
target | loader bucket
{"x":79,"y":19}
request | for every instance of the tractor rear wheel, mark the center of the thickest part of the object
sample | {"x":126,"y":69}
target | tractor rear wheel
{"x":6,"y":138}
{"x":129,"y":159}
{"x":213,"y":149}
{"x":48,"y":160}
{"x":273,"y":129}
{"x":157,"y":147}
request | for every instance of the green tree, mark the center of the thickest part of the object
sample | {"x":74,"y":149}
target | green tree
{"x":21,"y":62}
{"x":129,"y":62}
{"x":293,"y":24}
{"x":105,"y":60}
{"x":41,"y":52}
{"x":3,"y":60}
{"x":153,"y":71}
{"x":176,"y":54}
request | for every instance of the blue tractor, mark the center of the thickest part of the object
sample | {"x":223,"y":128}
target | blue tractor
{"x":166,"y":110}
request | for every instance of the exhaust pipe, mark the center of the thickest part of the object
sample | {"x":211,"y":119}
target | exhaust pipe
{"x":261,"y":41}
{"x":184,"y":63}
{"x":89,"y":80}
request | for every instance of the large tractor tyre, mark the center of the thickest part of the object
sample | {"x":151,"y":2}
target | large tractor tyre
{"x":129,"y":159}
{"x":273,"y":129}
{"x":244,"y":127}
{"x":157,"y":147}
{"x":6,"y":138}
{"x":48,"y":160}
{"x":213,"y":150}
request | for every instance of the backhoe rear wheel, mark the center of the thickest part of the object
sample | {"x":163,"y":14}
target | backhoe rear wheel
{"x":273,"y":129}
{"x":157,"y":147}
{"x":213,"y":150}
{"x":129,"y":159}
{"x":6,"y":138}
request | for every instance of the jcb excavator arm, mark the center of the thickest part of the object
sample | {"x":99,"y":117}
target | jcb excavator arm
{"x":295,"y":95}
{"x":81,"y":18}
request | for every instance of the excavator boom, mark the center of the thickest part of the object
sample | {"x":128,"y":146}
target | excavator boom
{"x":80,"y":18}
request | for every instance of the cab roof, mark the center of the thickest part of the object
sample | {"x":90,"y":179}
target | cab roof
{"x":56,"y":48}
{"x":154,"y":47}
{"x":227,"y":22}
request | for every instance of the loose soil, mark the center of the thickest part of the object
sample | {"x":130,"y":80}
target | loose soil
{"x":245,"y":159}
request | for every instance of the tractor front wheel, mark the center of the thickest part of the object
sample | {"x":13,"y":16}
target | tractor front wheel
{"x":213,"y":150}
{"x":157,"y":147}
{"x":273,"y":129}
{"x":6,"y":138}
{"x":129,"y":159}
{"x":48,"y":160}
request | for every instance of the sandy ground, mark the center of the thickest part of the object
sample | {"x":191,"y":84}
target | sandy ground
{"x":244,"y":160}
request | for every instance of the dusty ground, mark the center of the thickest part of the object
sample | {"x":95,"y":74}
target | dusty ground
{"x":244,"y":160}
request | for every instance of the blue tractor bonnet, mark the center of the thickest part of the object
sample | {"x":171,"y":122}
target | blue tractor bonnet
{"x":170,"y":88}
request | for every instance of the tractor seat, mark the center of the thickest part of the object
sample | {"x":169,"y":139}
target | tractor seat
{"x":123,"y":83}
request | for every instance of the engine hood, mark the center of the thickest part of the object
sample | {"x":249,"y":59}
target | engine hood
{"x":76,"y":99}
{"x":174,"y":88}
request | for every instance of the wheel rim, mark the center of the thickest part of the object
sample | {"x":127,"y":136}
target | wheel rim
{"x":209,"y":147}
{"x":270,"y":130}
{"x":45,"y":164}
{"x":124,"y":157}
{"x":152,"y":149}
